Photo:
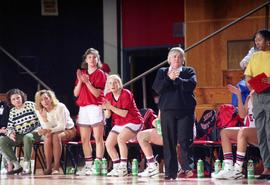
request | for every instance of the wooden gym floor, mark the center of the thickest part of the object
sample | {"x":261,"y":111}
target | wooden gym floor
{"x":99,"y":180}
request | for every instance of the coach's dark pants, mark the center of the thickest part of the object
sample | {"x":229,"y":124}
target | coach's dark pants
{"x":177,"y":126}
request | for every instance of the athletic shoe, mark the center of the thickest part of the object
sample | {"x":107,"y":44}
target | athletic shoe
{"x":151,"y":170}
{"x":121,"y":171}
{"x":15,"y":171}
{"x":228,"y":174}
{"x":112,"y":173}
{"x":86,"y":170}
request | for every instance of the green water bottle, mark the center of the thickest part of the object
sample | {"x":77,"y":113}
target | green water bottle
{"x":200,"y":169}
{"x":97,"y":167}
{"x":70,"y":170}
{"x":217,"y":166}
{"x":134,"y":167}
{"x":158,"y":126}
{"x":104,"y":169}
{"x":250,"y":169}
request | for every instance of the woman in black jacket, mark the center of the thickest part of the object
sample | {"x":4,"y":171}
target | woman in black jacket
{"x":175,"y":85}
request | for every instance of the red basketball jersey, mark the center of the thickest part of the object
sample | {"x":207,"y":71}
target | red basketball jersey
{"x":98,"y":80}
{"x":127,"y":102}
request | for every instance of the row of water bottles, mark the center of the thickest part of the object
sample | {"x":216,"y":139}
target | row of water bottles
{"x":218,"y":166}
{"x":101,"y":167}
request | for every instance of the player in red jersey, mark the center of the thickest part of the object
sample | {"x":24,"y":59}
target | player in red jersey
{"x":127,"y":121}
{"x":89,"y":88}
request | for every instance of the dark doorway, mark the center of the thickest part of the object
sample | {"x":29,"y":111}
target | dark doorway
{"x":141,"y":61}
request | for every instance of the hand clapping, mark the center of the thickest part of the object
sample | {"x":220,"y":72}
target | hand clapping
{"x":82,"y":77}
{"x":106,"y":105}
{"x":79,"y":75}
{"x":234,"y":90}
{"x":173,"y":74}
{"x":85,"y":78}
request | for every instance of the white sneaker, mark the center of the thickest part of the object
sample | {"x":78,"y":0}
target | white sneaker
{"x":151,"y":170}
{"x":3,"y":171}
{"x":86,"y":170}
{"x":228,"y":174}
{"x":113,"y":172}
{"x":26,"y":168}
{"x":121,"y":171}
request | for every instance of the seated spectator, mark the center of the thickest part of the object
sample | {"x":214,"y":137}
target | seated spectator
{"x":127,"y":121}
{"x":244,"y":92}
{"x":4,"y":113}
{"x":56,"y":126}
{"x":145,"y":139}
{"x":22,"y":129}
{"x":242,"y":135}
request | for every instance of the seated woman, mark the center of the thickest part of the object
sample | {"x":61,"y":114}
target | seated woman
{"x":22,"y":129}
{"x":4,"y":113}
{"x":242,"y":135}
{"x":57,"y":126}
{"x":145,"y":139}
{"x":127,"y":121}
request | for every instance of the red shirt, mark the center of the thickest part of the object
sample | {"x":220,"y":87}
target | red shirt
{"x":105,"y":67}
{"x":127,"y":102}
{"x":98,"y":79}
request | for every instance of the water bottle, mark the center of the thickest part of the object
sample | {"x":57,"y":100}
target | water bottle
{"x":70,"y":170}
{"x":217,"y":166}
{"x":104,"y":169}
{"x":134,"y":167}
{"x":200,"y":169}
{"x":97,"y":167}
{"x":250,"y":169}
{"x":158,"y":127}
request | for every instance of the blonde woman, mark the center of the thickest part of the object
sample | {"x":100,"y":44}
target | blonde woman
{"x":57,"y":126}
{"x":126,"y":119}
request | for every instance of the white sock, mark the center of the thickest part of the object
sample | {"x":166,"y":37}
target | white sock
{"x":123,"y":164}
{"x":228,"y":164}
{"x":27,"y":165}
{"x":88,"y":163}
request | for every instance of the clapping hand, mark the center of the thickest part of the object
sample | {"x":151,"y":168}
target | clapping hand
{"x":234,"y":90}
{"x":79,"y":75}
{"x":106,"y":105}
{"x":85,"y":78}
{"x":173,"y":74}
